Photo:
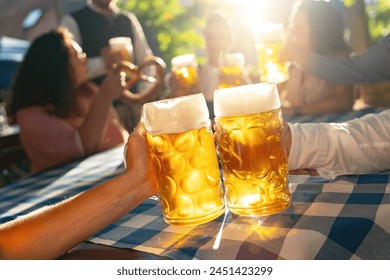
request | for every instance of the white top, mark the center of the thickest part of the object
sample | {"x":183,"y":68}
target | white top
{"x":96,"y":65}
{"x":358,"y":146}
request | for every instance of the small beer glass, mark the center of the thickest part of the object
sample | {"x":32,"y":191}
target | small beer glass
{"x":123,"y":46}
{"x":249,"y":128}
{"x":185,"y":70}
{"x":271,"y":41}
{"x":184,"y":159}
{"x":231,"y":70}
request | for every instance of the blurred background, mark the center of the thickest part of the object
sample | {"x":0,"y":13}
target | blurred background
{"x":175,"y":27}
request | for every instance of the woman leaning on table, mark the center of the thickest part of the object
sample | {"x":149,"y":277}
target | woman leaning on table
{"x":358,"y":146}
{"x":62,"y":116}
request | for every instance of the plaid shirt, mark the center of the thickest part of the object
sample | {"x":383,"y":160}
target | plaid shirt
{"x":371,"y":66}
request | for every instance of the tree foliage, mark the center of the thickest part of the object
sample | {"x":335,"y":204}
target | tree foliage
{"x":172,"y":27}
{"x":379,"y":18}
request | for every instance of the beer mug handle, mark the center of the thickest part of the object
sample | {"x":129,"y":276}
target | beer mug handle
{"x":136,"y":73}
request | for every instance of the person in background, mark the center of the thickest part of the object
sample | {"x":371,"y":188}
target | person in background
{"x":92,"y":27}
{"x":95,"y":24}
{"x":315,"y":26}
{"x":61,"y":114}
{"x":218,"y":39}
{"x":371,"y":66}
{"x":66,"y":224}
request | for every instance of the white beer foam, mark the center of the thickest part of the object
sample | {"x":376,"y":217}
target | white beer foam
{"x":185,"y":60}
{"x":176,"y":114}
{"x":120,"y":43}
{"x":244,"y":100}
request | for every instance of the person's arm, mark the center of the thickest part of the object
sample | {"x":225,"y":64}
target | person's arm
{"x":140,"y":44}
{"x":141,"y":49}
{"x":50,"y":232}
{"x":355,"y":147}
{"x":93,"y":128}
{"x":369,"y":67}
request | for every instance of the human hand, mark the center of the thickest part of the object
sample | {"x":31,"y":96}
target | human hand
{"x":287,"y":137}
{"x":110,"y":58}
{"x":114,"y":84}
{"x":156,"y":80}
{"x":138,"y":160}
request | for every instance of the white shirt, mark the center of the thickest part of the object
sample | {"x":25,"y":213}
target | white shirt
{"x":358,"y":146}
{"x":96,"y":65}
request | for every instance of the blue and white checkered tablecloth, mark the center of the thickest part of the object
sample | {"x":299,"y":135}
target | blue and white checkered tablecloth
{"x":347,"y":218}
{"x":343,"y":218}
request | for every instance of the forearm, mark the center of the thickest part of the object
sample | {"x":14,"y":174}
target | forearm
{"x":94,"y":126}
{"x":49,"y":233}
{"x":343,"y":70}
{"x":355,"y":147}
{"x":369,"y":67}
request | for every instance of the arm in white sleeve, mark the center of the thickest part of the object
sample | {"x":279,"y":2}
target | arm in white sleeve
{"x":355,"y":147}
{"x":141,"y":46}
{"x":96,"y":66}
{"x":141,"y":49}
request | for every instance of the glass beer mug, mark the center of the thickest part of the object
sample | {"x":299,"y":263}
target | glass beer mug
{"x":271,"y":43}
{"x":231,"y":70}
{"x":185,"y":69}
{"x":184,"y":159}
{"x":249,"y":128}
{"x":123,"y":46}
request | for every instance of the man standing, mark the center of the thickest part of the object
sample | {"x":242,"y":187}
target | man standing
{"x":99,"y":21}
{"x":92,"y":27}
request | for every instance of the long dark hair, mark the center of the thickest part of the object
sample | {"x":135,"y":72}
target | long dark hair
{"x":327,"y":26}
{"x":44,"y":77}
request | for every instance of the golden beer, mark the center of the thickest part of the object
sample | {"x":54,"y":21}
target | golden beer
{"x":253,"y":158}
{"x":185,"y":69}
{"x":184,"y":160}
{"x":271,"y":44}
{"x":232,"y":70}
{"x":123,"y":46}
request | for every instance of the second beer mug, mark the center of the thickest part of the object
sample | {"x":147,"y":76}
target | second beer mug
{"x":249,"y":128}
{"x":123,"y":46}
{"x":184,"y":159}
{"x":185,"y":69}
{"x":232,"y":70}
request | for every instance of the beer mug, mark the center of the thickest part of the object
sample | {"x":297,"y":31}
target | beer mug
{"x":249,"y":128}
{"x":184,"y":159}
{"x":272,"y":39}
{"x":185,"y":71}
{"x":123,"y":46}
{"x":231,"y":70}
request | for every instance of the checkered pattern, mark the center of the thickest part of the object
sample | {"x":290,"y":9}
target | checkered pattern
{"x":344,"y":218}
{"x":54,"y":185}
{"x":347,"y":218}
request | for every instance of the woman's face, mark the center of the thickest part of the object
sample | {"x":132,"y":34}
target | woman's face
{"x":300,"y":31}
{"x":78,"y":64}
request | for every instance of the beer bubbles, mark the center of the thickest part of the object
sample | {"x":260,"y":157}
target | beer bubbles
{"x":184,"y":159}
{"x":249,"y":129}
